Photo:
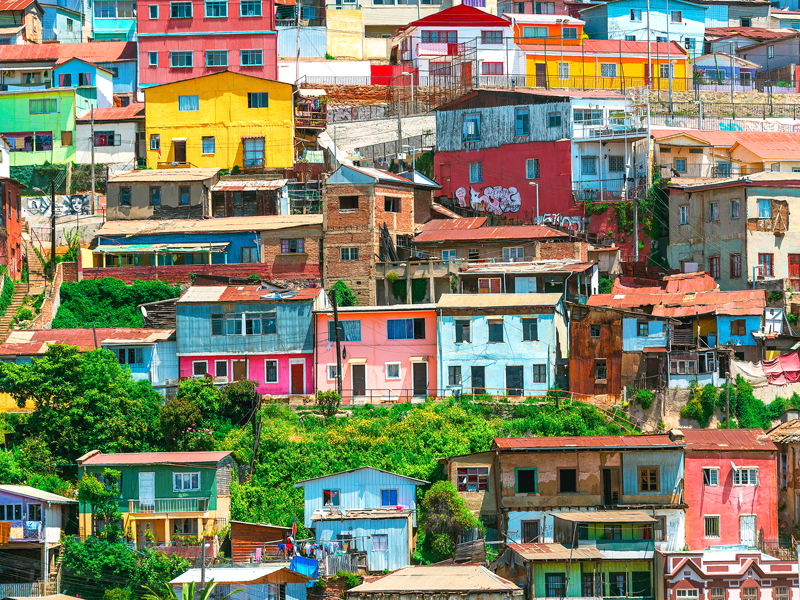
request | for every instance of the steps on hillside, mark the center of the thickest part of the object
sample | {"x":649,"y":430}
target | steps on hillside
{"x":20,"y":291}
{"x":36,"y":278}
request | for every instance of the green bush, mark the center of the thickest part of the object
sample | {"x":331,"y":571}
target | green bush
{"x":645,"y":398}
{"x":606,"y":285}
{"x":328,"y":402}
{"x":344,"y":295}
{"x":8,"y":293}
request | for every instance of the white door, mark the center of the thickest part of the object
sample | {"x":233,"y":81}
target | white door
{"x":747,"y":530}
{"x":147,"y":492}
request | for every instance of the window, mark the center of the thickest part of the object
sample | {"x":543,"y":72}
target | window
{"x":388,"y":497}
{"x":526,"y":481}
{"x":10,"y":512}
{"x":648,"y":479}
{"x":216,"y":8}
{"x":270,"y":371}
{"x":587,"y":116}
{"x":391,"y":204}
{"x":616,"y":164}
{"x":745,"y":476}
{"x":539,"y":373}
{"x":65,"y":80}
{"x":718,"y":594}
{"x":569,"y":33}
{"x":449,"y":37}
{"x":680,"y":165}
{"x":534,"y":32}
{"x":216,"y":58}
{"x":545,"y":8}
{"x":252,"y":58}
{"x":125,"y":196}
{"x":34,"y":512}
{"x":734,"y":209}
{"x":126,"y":9}
{"x":594,"y":331}
{"x":770,"y":51}
{"x":296,"y":246}
{"x":667,"y":70}
{"x":745,"y":22}
{"x":713,"y":267}
{"x":492,"y":37}
{"x":513,"y":254}
{"x":103,"y":138}
{"x":554,"y":585}
{"x":330,"y":497}
{"x":209,"y":145}
{"x":472,"y":479}
{"x":522,"y":122}
{"x":349,"y":331}
{"x":713,"y":211}
{"x":348,"y":202}
{"x":554,"y":119}
{"x":567,"y":481}
{"x":180,"y":60}
{"x":186,"y":482}
{"x":688,"y":43}
{"x":563,"y":70}
{"x":684,"y":214}
{"x":405,"y":329}
{"x":448,"y":254}
{"x":66,"y":138}
{"x":588,"y":165}
{"x":661,"y":39}
{"x":608,"y":69}
{"x":379,"y":542}
{"x":471,"y":128}
{"x":105,"y":9}
{"x":617,"y":581}
{"x":738,"y":327}
{"x":257,"y":100}
{"x":199,"y":368}
{"x":393,"y":370}
{"x":129,"y":356}
{"x":710,"y":477}
{"x":348,"y":253}
{"x":180,"y":10}
{"x":155,"y":196}
{"x":476,"y":172}
{"x":43,"y":106}
{"x":736,"y":266}
{"x":152,"y":59}
{"x":642,"y":329}
{"x":454,"y":375}
{"x":185,"y":194}
{"x":332,"y":372}
{"x":781,"y":593}
{"x":221,"y":368}
{"x":600,"y":370}
{"x":765,"y":264}
{"x":764,"y":209}
{"x":532,"y":168}
{"x":636,"y":15}
{"x":676,"y":16}
{"x":630,"y":38}
{"x":251,"y":8}
{"x":495,"y":332}
{"x":749,"y":593}
{"x":530,"y":329}
{"x":249,"y":254}
{"x":462,"y":331}
{"x":154,"y":11}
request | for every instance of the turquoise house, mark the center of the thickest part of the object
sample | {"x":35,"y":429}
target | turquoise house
{"x":501,"y":344}
{"x":77,"y":72}
{"x":367,"y":510}
{"x":114,"y":20}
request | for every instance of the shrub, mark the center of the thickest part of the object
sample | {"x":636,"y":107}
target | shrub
{"x":344,"y":295}
{"x":328,"y":403}
{"x":645,"y":398}
{"x":605,"y":285}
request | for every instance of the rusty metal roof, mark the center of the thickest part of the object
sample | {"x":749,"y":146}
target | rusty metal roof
{"x":605,"y":516}
{"x":99,"y":459}
{"x":326,"y":514}
{"x":438,"y":578}
{"x":520,"y":268}
{"x":751,"y":33}
{"x":481,"y":301}
{"x":35,"y":342}
{"x":561,"y":443}
{"x":94,"y":52}
{"x":785,"y":433}
{"x":244,"y":293}
{"x":6,"y":5}
{"x":734,"y":303}
{"x":164,"y":175}
{"x":727,"y":440}
{"x":544,"y":552}
{"x":249,"y":185}
{"x":216,"y":225}
{"x":486,"y":234}
{"x":460,"y":223}
{"x":690,"y":282}
{"x":132,"y":112}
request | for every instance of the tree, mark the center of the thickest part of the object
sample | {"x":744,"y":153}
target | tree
{"x":445,"y":517}
{"x":187,"y":591}
{"x":344,"y":295}
{"x":182,"y":428}
{"x":101,"y":495}
{"x":328,"y":403}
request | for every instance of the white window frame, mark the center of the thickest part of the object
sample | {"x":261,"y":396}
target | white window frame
{"x":714,"y":469}
{"x":563,"y":70}
{"x":689,"y":593}
{"x":151,"y":62}
{"x":150,"y":11}
{"x":199,"y":362}
{"x":330,"y":372}
{"x":277,"y":371}
{"x":528,"y":171}
{"x":736,"y":475}
{"x":399,"y":372}
{"x":227,"y":374}
{"x":608,"y":66}
{"x":188,"y":474}
{"x":683,"y":210}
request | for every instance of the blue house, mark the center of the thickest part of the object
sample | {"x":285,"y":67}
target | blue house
{"x":713,"y":72}
{"x":77,"y":72}
{"x":501,"y":344}
{"x":63,"y":21}
{"x":367,"y":510}
{"x":627,"y":20}
{"x":114,"y":20}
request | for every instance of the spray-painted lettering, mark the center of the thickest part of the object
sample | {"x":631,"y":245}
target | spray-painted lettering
{"x":574,"y":223}
{"x":494,"y":200}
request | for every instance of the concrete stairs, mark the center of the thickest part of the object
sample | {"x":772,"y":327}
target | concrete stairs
{"x":36,"y":278}
{"x":20,"y":292}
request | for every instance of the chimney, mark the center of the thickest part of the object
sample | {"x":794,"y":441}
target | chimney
{"x":676,"y":435}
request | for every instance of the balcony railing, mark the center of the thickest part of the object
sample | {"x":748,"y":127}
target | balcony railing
{"x":608,"y":189}
{"x":706,"y":171}
{"x":20,"y":531}
{"x":601,"y":129}
{"x":168,"y":505}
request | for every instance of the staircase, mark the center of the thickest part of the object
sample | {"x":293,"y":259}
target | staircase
{"x":20,"y":291}
{"x":53,"y":576}
{"x":36,"y":279}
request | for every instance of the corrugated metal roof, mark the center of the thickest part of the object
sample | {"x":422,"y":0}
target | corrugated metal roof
{"x":785,"y":432}
{"x":91,"y":51}
{"x":437,"y":578}
{"x":304,"y":481}
{"x":436,"y":207}
{"x":774,"y":150}
{"x":605,"y":516}
{"x":689,"y":282}
{"x":380,"y":174}
{"x":132,"y":112}
{"x":544,"y":552}
{"x":734,"y":303}
{"x":719,"y":139}
{"x":32,"y":492}
{"x":215,"y":247}
{"x":152,"y":175}
{"x":233,"y":575}
{"x":548,"y":19}
{"x":422,"y":307}
{"x":614,"y":47}
{"x":558,"y":93}
{"x":632,"y":442}
{"x":497,"y":300}
{"x":539,"y":266}
{"x":753,"y":33}
{"x":198,"y":294}
{"x":326,"y":514}
{"x":239,"y":185}
{"x":6,"y":5}
{"x":499,"y":233}
{"x":223,"y":225}
{"x":460,"y":223}
{"x":99,"y":459}
{"x":33,"y":342}
{"x":727,"y":440}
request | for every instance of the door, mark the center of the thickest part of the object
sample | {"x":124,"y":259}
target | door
{"x":180,"y":150}
{"x":530,"y":532}
{"x":147,"y":492}
{"x":298,"y":376}
{"x":419,"y":376}
{"x":466,"y":74}
{"x":647,"y":74}
{"x":478,"y":380}
{"x":541,"y":75}
{"x":747,"y":530}
{"x":445,"y":170}
{"x":514,"y":381}
{"x":359,"y":375}
{"x":611,"y":486}
{"x":239,"y":370}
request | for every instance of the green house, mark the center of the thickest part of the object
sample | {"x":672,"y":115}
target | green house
{"x":164,"y":495}
{"x":40,"y":124}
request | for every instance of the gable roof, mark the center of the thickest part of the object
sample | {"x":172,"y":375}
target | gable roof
{"x":420,"y":180}
{"x":32,"y":342}
{"x":604,"y":442}
{"x":486,"y":234}
{"x":32,"y":492}
{"x":133,"y":112}
{"x":150,"y":175}
{"x":242,"y":576}
{"x":199,"y":294}
{"x":482,"y":301}
{"x":788,"y":432}
{"x":437,"y":578}
{"x":63,"y":60}
{"x":710,"y":58}
{"x":9,"y":5}
{"x":95,"y":458}
{"x":412,"y":479}
{"x":752,"y":33}
{"x":727,"y":440}
{"x":771,"y":150}
{"x":348,"y":174}
{"x":220,"y":225}
{"x":95,"y":52}
{"x":460,"y":15}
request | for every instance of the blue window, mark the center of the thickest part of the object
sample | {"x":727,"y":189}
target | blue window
{"x":180,"y":59}
{"x":349,"y":331}
{"x":180,"y":10}
{"x":472,"y":128}
{"x":388,"y":497}
{"x":522,"y":121}
{"x":405,"y":329}
{"x":186,"y":103}
{"x":209,"y":145}
{"x":252,"y":58}
{"x":251,"y":8}
{"x":258,"y":100}
{"x":216,"y":58}
{"x":764,"y":209}
{"x":216,"y":8}
{"x":152,"y":59}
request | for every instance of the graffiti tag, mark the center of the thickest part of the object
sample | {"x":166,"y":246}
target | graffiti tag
{"x":574,"y":223}
{"x":494,"y":200}
{"x":761,"y":126}
{"x":77,"y":204}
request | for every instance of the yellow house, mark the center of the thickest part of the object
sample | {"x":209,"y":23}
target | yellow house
{"x":221,"y":120}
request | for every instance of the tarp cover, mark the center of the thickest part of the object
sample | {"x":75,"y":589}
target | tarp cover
{"x":782,"y":370}
{"x":751,"y":372}
{"x":305,"y":566}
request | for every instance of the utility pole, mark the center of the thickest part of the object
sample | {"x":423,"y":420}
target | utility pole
{"x":399,"y":122}
{"x":203,"y":562}
{"x":91,"y":141}
{"x":338,"y":343}
{"x":297,"y":62}
{"x":669,"y":58}
{"x":635,"y":222}
{"x":728,"y":392}
{"x":649,"y":64}
{"x":53,"y":229}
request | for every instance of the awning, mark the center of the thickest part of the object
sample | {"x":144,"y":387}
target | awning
{"x":654,"y":349}
{"x":215,"y":247}
{"x":178,"y":139}
{"x":253,"y":137}
{"x":357,"y":361}
{"x":309,"y":93}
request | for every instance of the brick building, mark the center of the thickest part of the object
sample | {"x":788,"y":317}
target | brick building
{"x":360,"y":204}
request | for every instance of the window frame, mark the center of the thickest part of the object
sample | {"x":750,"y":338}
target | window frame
{"x":683,"y":214}
{"x":257,"y":99}
{"x":334,"y":494}
{"x":217,"y":4}
{"x":397,"y":364}
{"x":175,"y":4}
{"x":277,"y":370}
{"x":646,"y":487}
{"x":459,"y":326}
{"x":534,"y":173}
{"x":254,"y":3}
{"x":600,"y":363}
{"x":213,"y":144}
{"x":522,"y":122}
{"x":216,"y":54}
{"x":530,"y":329}
{"x":389,"y":503}
{"x":519,"y":470}
{"x":190,"y":475}
{"x":451,"y":379}
{"x":178,"y":54}
{"x":492,"y":329}
{"x":255,"y":52}
{"x":481,"y":482}
{"x":711,"y":481}
{"x":476,"y":176}
{"x":734,"y":214}
{"x":349,"y":254}
{"x":152,"y":193}
{"x":475,"y":135}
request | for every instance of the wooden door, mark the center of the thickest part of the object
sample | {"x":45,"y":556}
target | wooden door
{"x":297,"y":373}
{"x":359,"y":375}
{"x":466,"y":74}
{"x":478,"y":379}
{"x":180,"y":151}
{"x":541,"y":75}
{"x":239,"y":370}
{"x":444,"y":173}
{"x":419,"y":374}
{"x":147,"y":492}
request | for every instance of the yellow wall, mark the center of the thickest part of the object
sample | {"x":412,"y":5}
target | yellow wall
{"x":8,"y":404}
{"x":553,"y":34}
{"x":585,"y":71}
{"x":223,"y":114}
{"x":345,"y":33}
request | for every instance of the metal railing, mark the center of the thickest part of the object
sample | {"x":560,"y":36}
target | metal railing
{"x":607,"y":129}
{"x":168,"y":505}
{"x":608,"y":189}
{"x":20,"y":531}
{"x":707,"y":171}
{"x":28,"y":590}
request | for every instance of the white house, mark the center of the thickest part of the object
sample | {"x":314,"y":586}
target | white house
{"x":5,"y":163}
{"x":117,"y":138}
{"x":273,"y":582}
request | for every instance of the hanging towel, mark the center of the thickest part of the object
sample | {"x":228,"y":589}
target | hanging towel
{"x":305,"y":566}
{"x":258,"y":555}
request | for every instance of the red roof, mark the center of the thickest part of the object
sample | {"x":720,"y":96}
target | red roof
{"x":459,"y":16}
{"x":727,"y":440}
{"x":690,"y":282}
{"x":752,"y":33}
{"x":774,"y":150}
{"x":487,"y":234}
{"x":614,"y":47}
{"x":712,"y":138}
{"x":89,"y":51}
{"x":461,"y":223}
{"x":30,"y":343}
{"x":737,"y":303}
{"x":96,"y":458}
{"x":15,"y":4}
{"x":134,"y":111}
{"x":570,"y":442}
{"x":212,"y":294}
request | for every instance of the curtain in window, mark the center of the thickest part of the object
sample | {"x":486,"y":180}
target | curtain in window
{"x":352,"y":330}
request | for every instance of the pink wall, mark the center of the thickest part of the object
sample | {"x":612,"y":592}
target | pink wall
{"x":377,"y":350}
{"x":256,"y":370}
{"x":724,"y":499}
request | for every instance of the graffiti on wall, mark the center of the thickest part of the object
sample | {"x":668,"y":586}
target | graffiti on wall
{"x":77,"y":204}
{"x":744,"y":125}
{"x":494,"y":200}
{"x":574,"y":223}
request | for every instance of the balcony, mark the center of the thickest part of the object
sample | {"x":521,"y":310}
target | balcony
{"x":705,"y":171}
{"x":168,"y":505}
{"x":608,"y":129}
{"x":433,"y":49}
{"x":22,"y":531}
{"x":608,"y":188}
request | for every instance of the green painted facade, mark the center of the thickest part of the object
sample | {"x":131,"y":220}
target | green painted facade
{"x":16,"y":108}
{"x":639,"y":577}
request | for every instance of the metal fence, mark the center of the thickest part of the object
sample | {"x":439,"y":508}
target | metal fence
{"x":382,"y":152}
{"x":27,"y":590}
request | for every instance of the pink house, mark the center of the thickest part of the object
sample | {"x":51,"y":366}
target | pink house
{"x":388,"y":352}
{"x":731,"y":489}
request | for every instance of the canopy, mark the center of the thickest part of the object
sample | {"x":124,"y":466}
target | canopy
{"x":163,"y":248}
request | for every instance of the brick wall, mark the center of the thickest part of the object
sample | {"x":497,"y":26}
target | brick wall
{"x":182,"y":273}
{"x":65,"y":272}
{"x":561,"y":250}
{"x":271,"y":244}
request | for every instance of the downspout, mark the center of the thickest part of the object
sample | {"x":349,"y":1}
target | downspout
{"x":498,"y":498}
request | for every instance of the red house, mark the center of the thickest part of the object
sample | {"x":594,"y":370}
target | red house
{"x":189,"y":38}
{"x":730,"y":488}
{"x":11,"y":233}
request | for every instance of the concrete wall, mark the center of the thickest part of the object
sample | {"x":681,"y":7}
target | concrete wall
{"x":141,"y":208}
{"x":345,"y":33}
{"x":313,"y":42}
{"x":124,"y":154}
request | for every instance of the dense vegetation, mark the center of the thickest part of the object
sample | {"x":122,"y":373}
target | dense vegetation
{"x":108,"y":302}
